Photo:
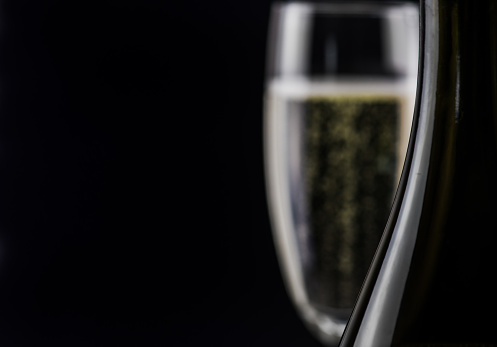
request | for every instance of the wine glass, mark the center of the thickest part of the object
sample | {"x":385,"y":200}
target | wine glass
{"x":339,"y":98}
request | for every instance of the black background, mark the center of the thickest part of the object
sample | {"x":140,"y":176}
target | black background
{"x":132,"y":203}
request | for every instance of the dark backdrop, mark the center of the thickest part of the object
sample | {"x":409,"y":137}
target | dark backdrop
{"x":132,"y":203}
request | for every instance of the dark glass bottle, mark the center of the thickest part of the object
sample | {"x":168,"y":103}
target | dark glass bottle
{"x":432,"y":282}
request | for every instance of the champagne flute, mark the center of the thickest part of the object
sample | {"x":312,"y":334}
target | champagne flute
{"x":340,"y":90}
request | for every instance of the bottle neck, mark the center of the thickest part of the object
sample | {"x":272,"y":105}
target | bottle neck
{"x":457,"y":94}
{"x":466,"y":54}
{"x":445,"y":205}
{"x":455,"y":123}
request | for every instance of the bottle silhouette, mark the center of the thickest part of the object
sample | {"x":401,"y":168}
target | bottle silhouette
{"x":431,"y":282}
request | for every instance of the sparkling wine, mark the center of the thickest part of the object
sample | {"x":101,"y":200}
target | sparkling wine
{"x":332,"y":186}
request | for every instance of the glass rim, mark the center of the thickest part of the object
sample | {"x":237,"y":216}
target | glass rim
{"x":346,"y":8}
